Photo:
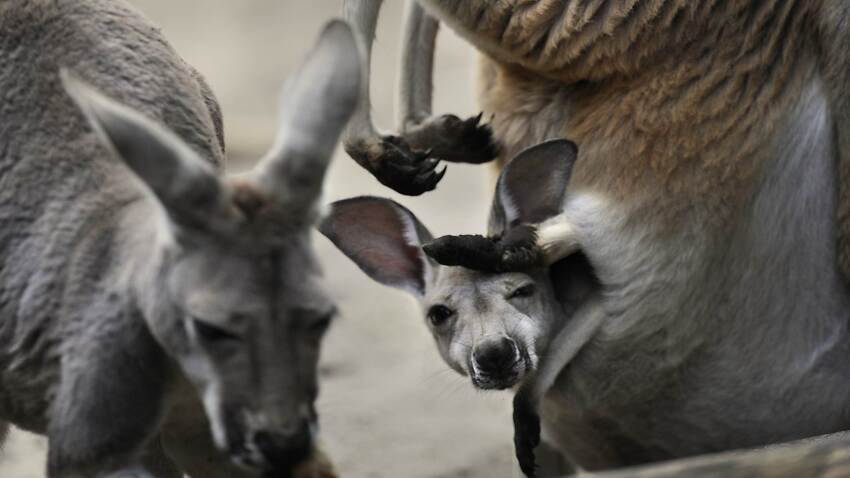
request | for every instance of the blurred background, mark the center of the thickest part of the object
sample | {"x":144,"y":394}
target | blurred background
{"x":389,"y":406}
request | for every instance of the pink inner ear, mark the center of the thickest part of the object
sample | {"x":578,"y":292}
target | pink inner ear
{"x":375,"y":235}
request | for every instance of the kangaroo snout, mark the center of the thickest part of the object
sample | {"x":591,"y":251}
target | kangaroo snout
{"x":497,"y":364}
{"x":283,"y":452}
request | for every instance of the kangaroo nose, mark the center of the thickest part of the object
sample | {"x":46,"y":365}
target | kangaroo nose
{"x":284,"y":452}
{"x":495,"y":357}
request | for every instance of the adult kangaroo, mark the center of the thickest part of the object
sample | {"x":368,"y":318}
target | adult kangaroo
{"x":711,"y":197}
{"x":156,"y":316}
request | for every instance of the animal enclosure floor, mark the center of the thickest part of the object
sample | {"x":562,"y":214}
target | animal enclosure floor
{"x":389,"y":406}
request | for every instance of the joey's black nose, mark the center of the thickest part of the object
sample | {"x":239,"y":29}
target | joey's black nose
{"x":495,"y":358}
{"x":284,"y":452}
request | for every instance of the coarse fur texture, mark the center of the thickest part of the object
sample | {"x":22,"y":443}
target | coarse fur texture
{"x":153,"y":310}
{"x":711,"y":197}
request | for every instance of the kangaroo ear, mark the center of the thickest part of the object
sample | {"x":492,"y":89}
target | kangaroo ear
{"x":532,"y":187}
{"x":185,"y":184}
{"x":383,"y":238}
{"x":317,"y":101}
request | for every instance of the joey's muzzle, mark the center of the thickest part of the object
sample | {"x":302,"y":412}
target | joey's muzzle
{"x":498,"y":364}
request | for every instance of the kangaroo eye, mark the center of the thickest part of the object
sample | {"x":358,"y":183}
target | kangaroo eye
{"x":211,"y":333}
{"x":439,"y":314}
{"x":524,"y":291}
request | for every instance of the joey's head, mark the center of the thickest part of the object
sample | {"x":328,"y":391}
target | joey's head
{"x":229,"y":284}
{"x":490,"y":325}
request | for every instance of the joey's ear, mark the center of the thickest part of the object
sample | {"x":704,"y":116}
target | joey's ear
{"x":532,"y":187}
{"x":185,"y":184}
{"x":383,"y":238}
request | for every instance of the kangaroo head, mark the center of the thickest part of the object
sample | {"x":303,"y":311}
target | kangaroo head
{"x":233,"y":292}
{"x":490,"y":326}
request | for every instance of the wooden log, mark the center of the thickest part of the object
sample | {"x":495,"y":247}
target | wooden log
{"x":827,"y":456}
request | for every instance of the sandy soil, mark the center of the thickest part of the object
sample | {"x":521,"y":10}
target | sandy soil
{"x":389,"y":406}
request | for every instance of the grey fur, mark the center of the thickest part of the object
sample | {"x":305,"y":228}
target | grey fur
{"x":528,"y":308}
{"x":151,"y":309}
{"x":407,"y":162}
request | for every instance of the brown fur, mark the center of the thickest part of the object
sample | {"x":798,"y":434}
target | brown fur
{"x":683,"y":107}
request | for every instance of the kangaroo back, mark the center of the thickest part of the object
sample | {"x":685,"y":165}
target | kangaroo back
{"x":54,"y":173}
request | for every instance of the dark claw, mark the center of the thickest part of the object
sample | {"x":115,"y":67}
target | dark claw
{"x":440,"y":174}
{"x":397,"y":166}
{"x":471,"y":141}
{"x":516,"y":250}
{"x":519,"y":248}
{"x":455,"y":140}
{"x":471,"y":251}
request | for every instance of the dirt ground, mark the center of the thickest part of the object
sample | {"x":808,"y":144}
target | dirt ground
{"x":389,"y":406}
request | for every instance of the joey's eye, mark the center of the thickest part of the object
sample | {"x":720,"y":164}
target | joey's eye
{"x":212,"y":334}
{"x":524,"y":291}
{"x":439,"y":314}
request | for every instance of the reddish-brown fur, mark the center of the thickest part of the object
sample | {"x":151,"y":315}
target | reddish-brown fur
{"x":678,"y":98}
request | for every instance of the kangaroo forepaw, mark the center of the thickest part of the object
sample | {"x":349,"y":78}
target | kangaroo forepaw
{"x":516,"y":250}
{"x":519,"y":249}
{"x":392,"y":161}
{"x":456,"y":140}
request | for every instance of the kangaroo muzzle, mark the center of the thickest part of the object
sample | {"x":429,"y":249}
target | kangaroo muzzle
{"x":498,"y":364}
{"x":283,"y":452}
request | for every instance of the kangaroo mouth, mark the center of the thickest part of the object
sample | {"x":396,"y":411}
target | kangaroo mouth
{"x":505,"y":378}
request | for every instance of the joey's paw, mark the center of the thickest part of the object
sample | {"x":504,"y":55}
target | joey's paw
{"x":471,"y":251}
{"x":518,"y":248}
{"x":456,"y":140}
{"x":391,"y":160}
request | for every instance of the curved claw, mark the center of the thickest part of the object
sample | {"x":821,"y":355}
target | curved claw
{"x":456,"y":140}
{"x":477,"y":140}
{"x":519,"y":248}
{"x":395,"y":165}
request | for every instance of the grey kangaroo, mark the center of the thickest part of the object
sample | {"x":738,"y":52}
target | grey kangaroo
{"x":710,"y":198}
{"x":502,"y":322}
{"x":156,"y":316}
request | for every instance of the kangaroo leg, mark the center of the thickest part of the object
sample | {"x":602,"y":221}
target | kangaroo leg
{"x":407,"y":162}
{"x":448,"y":137}
{"x":388,"y":158}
